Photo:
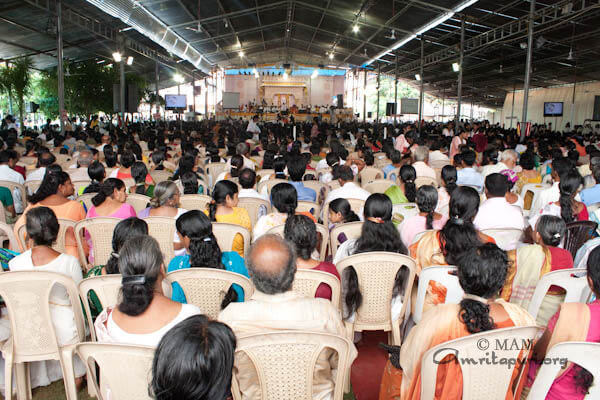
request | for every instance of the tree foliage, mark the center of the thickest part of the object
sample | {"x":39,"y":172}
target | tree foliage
{"x":16,"y":81}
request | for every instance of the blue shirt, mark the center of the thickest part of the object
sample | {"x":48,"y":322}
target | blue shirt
{"x":230,"y":259}
{"x":387,"y":169}
{"x":590,"y":196}
{"x":304,"y":193}
{"x":470,"y":177}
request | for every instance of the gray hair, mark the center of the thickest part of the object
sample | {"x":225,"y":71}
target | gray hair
{"x":272,"y":282}
{"x":509,"y":155}
{"x":242,"y":148}
{"x":421,"y":153}
{"x":163,"y":192}
{"x":85,"y":158}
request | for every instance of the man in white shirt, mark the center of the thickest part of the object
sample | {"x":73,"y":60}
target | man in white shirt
{"x":44,"y":160}
{"x":507,"y":160}
{"x":83,"y":162}
{"x":560,"y":166}
{"x":253,"y":128}
{"x":247,"y":180}
{"x":348,"y":189}
{"x":421,"y":156}
{"x":496,"y":212}
{"x":439,"y":152}
{"x":9,"y":174}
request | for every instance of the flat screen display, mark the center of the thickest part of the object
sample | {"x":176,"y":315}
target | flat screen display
{"x":553,"y":109}
{"x":175,"y":101}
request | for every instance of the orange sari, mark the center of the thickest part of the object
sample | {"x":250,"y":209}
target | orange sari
{"x":440,"y":325}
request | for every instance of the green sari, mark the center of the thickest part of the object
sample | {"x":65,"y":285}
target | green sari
{"x":396,"y":195}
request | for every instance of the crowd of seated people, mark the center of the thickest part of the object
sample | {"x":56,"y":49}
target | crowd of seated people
{"x":483,"y":175}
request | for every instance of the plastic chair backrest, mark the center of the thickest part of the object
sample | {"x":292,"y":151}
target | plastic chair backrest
{"x":352,"y":230}
{"x":214,"y":170}
{"x":378,"y":186}
{"x":405,"y":210}
{"x":163,"y":230}
{"x":86,"y":198}
{"x":593,"y":207}
{"x":574,"y":281}
{"x":439,"y":163}
{"x":321,"y":189}
{"x":425,"y":180}
{"x":206,"y":287}
{"x":81,"y":183}
{"x":27,"y":298}
{"x":307,"y":281}
{"x":268,"y":183}
{"x":160,"y":175}
{"x":584,"y":354}
{"x":8,"y":231}
{"x":253,"y":206}
{"x":21,"y":188}
{"x":481,"y":380}
{"x":32,"y":186}
{"x":101,"y":232}
{"x":578,"y":233}
{"x":506,"y":238}
{"x":285,"y":362}
{"x":194,"y":201}
{"x":138,"y":201}
{"x":530,"y":199}
{"x":264,"y":172}
{"x":225,"y":234}
{"x":369,"y":174}
{"x":393,"y":175}
{"x":126,"y":380}
{"x":441,"y":274}
{"x":376,"y":272}
{"x":106,"y":288}
{"x":278,"y":230}
{"x":309,"y":206}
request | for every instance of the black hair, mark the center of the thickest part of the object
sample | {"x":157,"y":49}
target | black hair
{"x":296,"y":168}
{"x":378,"y":234}
{"x":459,"y":234}
{"x":107,"y":189}
{"x":110,"y":158}
{"x":343,"y":207}
{"x":96,"y":171}
{"x":237,"y":163}
{"x":568,"y":186}
{"x":42,"y":226}
{"x":158,"y":157}
{"x":561,"y":166}
{"x":127,"y":159}
{"x":140,"y":263}
{"x":204,"y":249}
{"x":124,"y":230}
{"x":468,"y":157}
{"x":45,"y":159}
{"x":301,"y":231}
{"x":408,"y":174}
{"x":49,"y":186}
{"x":527,"y":161}
{"x":186,"y":164}
{"x":343,"y":172}
{"x":496,"y":185}
{"x":279,"y":167}
{"x":194,"y":361}
{"x":449,"y":176}
{"x":284,"y":198}
{"x":189,"y":180}
{"x":247,"y":178}
{"x":490,"y":156}
{"x":139,"y":171}
{"x":552,"y":229}
{"x":395,"y":156}
{"x":220,"y":192}
{"x":332,"y":159}
{"x":427,"y":199}
{"x":481,"y":272}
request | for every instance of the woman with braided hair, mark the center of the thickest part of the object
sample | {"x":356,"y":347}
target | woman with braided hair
{"x":427,"y":219}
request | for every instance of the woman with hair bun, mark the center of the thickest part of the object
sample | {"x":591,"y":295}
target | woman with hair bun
{"x":203,"y":251}
{"x":54,"y":193}
{"x":42,"y":230}
{"x":427,"y":219}
{"x":529,"y":263}
{"x":407,"y":191}
{"x":144,"y":314}
{"x":481,"y":273}
{"x":110,"y":201}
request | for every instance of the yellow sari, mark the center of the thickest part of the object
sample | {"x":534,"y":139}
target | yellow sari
{"x":440,"y":325}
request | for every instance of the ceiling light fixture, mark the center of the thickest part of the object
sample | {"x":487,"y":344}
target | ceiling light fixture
{"x":455,"y":67}
{"x":116,"y":56}
{"x":418,"y":77}
{"x":129,"y":60}
{"x":285,"y":76}
{"x":241,"y":53}
{"x":331,"y":55}
{"x":437,"y":21}
{"x":315,"y":73}
{"x":178,"y":78}
{"x":355,"y":29}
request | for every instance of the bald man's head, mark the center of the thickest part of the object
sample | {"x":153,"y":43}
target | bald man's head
{"x":272,"y":264}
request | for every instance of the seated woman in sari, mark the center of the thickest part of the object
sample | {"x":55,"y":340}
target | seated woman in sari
{"x":407,"y":191}
{"x":481,"y":273}
{"x":530,"y":263}
{"x":444,"y":247}
{"x":574,"y":322}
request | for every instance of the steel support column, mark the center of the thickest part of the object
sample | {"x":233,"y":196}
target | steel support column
{"x":528,"y":67}
{"x":365,"y":96}
{"x":156,"y":79}
{"x":378,"y":86}
{"x":122,"y":90}
{"x":61,"y":73}
{"x":396,"y":90}
{"x":460,"y":73}
{"x":421,"y":87}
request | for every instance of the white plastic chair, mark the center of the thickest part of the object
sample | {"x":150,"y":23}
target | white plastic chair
{"x":534,"y":188}
{"x":214,"y":170}
{"x":254,"y":205}
{"x":268,"y":184}
{"x":7,"y":233}
{"x":194,"y":201}
{"x":352,"y":230}
{"x":370,"y":174}
{"x":506,"y":238}
{"x":163,"y":230}
{"x":307,"y":281}
{"x":584,"y":354}
{"x":33,"y":337}
{"x":378,"y":186}
{"x":160,"y":175}
{"x":425,"y":180}
{"x":481,"y":380}
{"x":81,"y":183}
{"x":574,"y":281}
{"x":225,"y":234}
{"x":106,"y":288}
{"x":59,"y":245}
{"x":356,"y":205}
{"x":406,"y":210}
{"x":441,"y":274}
{"x":101,"y":232}
{"x":310,"y":207}
{"x":138,"y":201}
{"x":285,"y":363}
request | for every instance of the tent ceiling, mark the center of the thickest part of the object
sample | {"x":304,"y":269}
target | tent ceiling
{"x":305,"y":32}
